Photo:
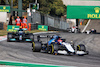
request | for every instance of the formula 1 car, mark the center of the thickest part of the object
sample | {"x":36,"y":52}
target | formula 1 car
{"x":20,"y":35}
{"x":92,"y":31}
{"x":56,"y":46}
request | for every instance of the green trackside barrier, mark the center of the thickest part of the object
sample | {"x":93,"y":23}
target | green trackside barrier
{"x":43,"y":27}
{"x":4,"y":8}
{"x":11,"y":28}
{"x":10,"y":63}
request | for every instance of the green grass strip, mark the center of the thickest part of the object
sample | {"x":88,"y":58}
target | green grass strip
{"x":10,"y":63}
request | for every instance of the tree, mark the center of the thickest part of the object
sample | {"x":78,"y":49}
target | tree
{"x":26,"y":3}
{"x":52,"y":7}
{"x":2,"y":2}
{"x":44,"y":6}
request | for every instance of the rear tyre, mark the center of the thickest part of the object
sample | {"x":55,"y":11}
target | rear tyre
{"x":54,"y":49}
{"x":36,"y":46}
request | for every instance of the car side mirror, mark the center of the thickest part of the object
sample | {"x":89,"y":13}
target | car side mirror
{"x":63,"y":40}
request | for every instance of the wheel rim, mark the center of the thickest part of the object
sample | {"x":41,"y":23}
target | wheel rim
{"x":81,"y":48}
{"x":33,"y":46}
{"x":52,"y":49}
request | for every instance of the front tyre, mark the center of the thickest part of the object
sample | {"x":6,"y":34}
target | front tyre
{"x":81,"y":47}
{"x":9,"y":36}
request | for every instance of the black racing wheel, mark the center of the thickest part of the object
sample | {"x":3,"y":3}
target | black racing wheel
{"x":53,"y":48}
{"x":9,"y":36}
{"x":81,"y":47}
{"x":36,"y":46}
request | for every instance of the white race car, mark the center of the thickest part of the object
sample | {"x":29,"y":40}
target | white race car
{"x":56,"y":45}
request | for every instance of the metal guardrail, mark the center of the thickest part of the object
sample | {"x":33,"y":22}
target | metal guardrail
{"x":43,"y":19}
{"x":1,"y":26}
{"x":34,"y":26}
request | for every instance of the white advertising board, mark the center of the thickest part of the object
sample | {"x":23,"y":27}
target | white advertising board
{"x":3,"y":16}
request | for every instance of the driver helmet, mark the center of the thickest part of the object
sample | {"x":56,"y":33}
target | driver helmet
{"x":56,"y":37}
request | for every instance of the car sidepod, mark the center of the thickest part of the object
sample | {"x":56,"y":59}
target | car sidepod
{"x":67,"y":49}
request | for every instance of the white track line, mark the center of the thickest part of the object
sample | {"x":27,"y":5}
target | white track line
{"x":2,"y":38}
{"x":34,"y":63}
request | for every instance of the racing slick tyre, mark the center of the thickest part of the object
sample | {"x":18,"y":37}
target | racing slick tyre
{"x":53,"y":49}
{"x":9,"y":36}
{"x":36,"y":46}
{"x":81,"y":47}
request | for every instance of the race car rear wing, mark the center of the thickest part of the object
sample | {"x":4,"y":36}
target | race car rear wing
{"x":38,"y":36}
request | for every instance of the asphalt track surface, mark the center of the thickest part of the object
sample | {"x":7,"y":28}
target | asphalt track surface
{"x":22,"y":52}
{"x":94,"y":24}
